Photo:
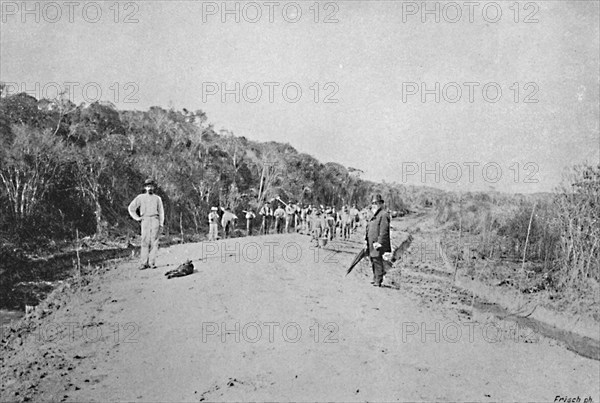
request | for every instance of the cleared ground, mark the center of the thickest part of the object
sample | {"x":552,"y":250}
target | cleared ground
{"x":273,"y":318}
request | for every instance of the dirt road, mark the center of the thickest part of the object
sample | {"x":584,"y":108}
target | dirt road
{"x":270,"y":318}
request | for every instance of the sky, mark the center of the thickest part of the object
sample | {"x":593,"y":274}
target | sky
{"x":461,"y":96}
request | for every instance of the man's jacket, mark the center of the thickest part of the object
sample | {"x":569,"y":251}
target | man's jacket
{"x":228,"y":218}
{"x":213,"y":218}
{"x":290,"y":210}
{"x":378,"y":230}
{"x":150,"y":205}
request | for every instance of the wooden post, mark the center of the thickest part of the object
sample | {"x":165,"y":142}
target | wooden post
{"x":527,"y":241}
{"x":77,"y":252}
{"x":181,"y":225}
{"x":459,"y":241}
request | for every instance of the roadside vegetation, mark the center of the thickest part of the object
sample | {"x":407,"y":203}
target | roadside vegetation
{"x":540,"y":242}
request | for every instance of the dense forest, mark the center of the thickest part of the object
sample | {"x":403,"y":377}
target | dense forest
{"x":70,"y":170}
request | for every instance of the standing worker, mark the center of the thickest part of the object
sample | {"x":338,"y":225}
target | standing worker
{"x":290,"y":212}
{"x":249,"y":217}
{"x":297,"y":217}
{"x":305,"y":218}
{"x":213,"y":223}
{"x":346,"y":222}
{"x":317,"y":225}
{"x":266,"y":212}
{"x":330,"y":220}
{"x":152,"y":217}
{"x":279,"y":219}
{"x":354,"y":213}
{"x":228,"y":220}
{"x":377,"y":238}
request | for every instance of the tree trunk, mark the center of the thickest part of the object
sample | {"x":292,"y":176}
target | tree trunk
{"x":100,"y":230}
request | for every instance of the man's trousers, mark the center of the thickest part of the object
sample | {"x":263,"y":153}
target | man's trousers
{"x":378,"y":269}
{"x":266,"y":223}
{"x":213,"y":231}
{"x":150,"y":227}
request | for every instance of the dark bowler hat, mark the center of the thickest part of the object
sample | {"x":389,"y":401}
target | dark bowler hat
{"x":149,"y":182}
{"x":377,"y":198}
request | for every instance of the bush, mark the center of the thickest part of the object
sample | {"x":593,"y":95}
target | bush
{"x":578,"y":213}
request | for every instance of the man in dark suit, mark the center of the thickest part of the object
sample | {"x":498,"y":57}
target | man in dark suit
{"x":378,"y":238}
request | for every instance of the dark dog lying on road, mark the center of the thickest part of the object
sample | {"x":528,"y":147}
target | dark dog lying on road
{"x":184,"y":269}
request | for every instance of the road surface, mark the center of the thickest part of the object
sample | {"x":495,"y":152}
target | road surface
{"x":272,"y":318}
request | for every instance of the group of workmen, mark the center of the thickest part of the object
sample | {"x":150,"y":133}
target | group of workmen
{"x":225,"y":217}
{"x":319,"y":221}
{"x":280,"y":217}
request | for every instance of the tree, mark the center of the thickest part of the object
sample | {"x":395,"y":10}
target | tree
{"x":28,"y":168}
{"x":97,"y":168}
{"x":272,"y":173}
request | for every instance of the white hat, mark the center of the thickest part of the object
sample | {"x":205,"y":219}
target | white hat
{"x":214,"y":208}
